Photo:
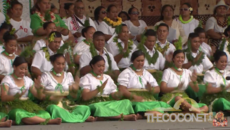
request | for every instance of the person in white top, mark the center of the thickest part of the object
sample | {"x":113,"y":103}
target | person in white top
{"x":188,"y":22}
{"x":218,"y":81}
{"x":99,"y":15}
{"x":154,"y":60}
{"x":204,"y":47}
{"x":194,"y":58}
{"x":77,"y":22}
{"x":22,"y":27}
{"x":112,"y":14}
{"x":98,"y":49}
{"x":175,"y":28}
{"x":216,"y":25}
{"x":122,"y":48}
{"x":8,"y":55}
{"x":16,"y":87}
{"x":96,"y":85}
{"x":83,"y":46}
{"x":49,"y":27}
{"x":136,"y":26}
{"x":69,"y":10}
{"x":162,"y":44}
{"x":175,"y":81}
{"x":41,"y":61}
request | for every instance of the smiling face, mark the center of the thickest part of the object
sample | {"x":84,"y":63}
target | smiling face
{"x":195,"y":44}
{"x":99,"y":67}
{"x":11,"y":46}
{"x":221,"y":11}
{"x":124,"y":34}
{"x":21,"y":70}
{"x":178,"y":60}
{"x":150,"y":42}
{"x":222,"y":62}
{"x":99,"y":42}
{"x":59,"y":64}
{"x":138,"y":63}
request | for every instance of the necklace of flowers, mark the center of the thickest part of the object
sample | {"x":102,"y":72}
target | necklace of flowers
{"x":151,"y":60}
{"x":130,"y":47}
{"x":49,"y":14}
{"x":185,"y":22}
{"x":112,"y":23}
{"x":222,"y":24}
{"x":47,"y":54}
{"x":162,"y":50}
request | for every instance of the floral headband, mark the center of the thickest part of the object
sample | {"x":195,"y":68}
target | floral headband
{"x":52,"y":36}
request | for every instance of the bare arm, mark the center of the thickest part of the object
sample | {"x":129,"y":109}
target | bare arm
{"x":87,"y":94}
{"x":211,"y":33}
{"x":118,"y":58}
{"x":1,"y":77}
{"x":85,"y":70}
{"x":187,"y":65}
{"x":107,"y":37}
{"x":36,"y":71}
{"x":77,"y":58}
{"x":41,"y":32}
{"x":212,"y":90}
{"x":26,"y":39}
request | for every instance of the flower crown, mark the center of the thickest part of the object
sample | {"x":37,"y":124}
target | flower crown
{"x":190,"y":9}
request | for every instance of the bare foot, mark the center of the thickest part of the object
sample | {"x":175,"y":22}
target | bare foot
{"x":3,"y":119}
{"x":7,"y":123}
{"x":139,"y":116}
{"x":56,"y":121}
{"x":131,"y":117}
{"x":100,"y":119}
{"x":90,"y":119}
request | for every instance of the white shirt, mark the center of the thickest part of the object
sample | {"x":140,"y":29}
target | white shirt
{"x":206,"y":49}
{"x":6,"y":67}
{"x":41,"y":43}
{"x":1,"y":48}
{"x":189,"y":27}
{"x":96,"y":24}
{"x":73,"y":29}
{"x":79,"y":48}
{"x":228,"y":54}
{"x":212,"y":77}
{"x":114,"y":50}
{"x":160,"y":62}
{"x":204,"y":66}
{"x":106,"y":29}
{"x":50,"y":83}
{"x":90,"y":82}
{"x":136,"y":30}
{"x":211,"y":23}
{"x":86,"y":57}
{"x":22,"y":28}
{"x":14,"y":89}
{"x":170,"y":49}
{"x":172,"y":79}
{"x":130,"y":79}
{"x":41,"y":62}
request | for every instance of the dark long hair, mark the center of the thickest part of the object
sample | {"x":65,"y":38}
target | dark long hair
{"x":97,"y":13}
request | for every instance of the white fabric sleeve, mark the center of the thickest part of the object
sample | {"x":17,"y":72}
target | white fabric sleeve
{"x":208,"y":78}
{"x":114,"y":63}
{"x":70,"y":78}
{"x":85,"y":83}
{"x":84,"y":60}
{"x":162,"y":61}
{"x":92,"y":24}
{"x":38,"y":60}
{"x":165,"y":76}
{"x":103,"y":28}
{"x":36,"y":46}
{"x":30,"y":82}
{"x":182,"y":33}
{"x":210,"y":24}
{"x":6,"y":81}
{"x":45,"y":79}
{"x":185,"y":59}
{"x":113,"y":86}
{"x":207,"y":63}
{"x":152,"y":80}
{"x":123,"y":78}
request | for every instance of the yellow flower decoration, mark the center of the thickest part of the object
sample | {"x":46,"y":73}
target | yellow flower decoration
{"x":51,"y":38}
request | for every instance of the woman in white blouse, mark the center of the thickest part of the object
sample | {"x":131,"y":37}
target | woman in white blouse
{"x":138,"y":85}
{"x":57,"y":80}
{"x":69,"y":10}
{"x":99,"y":88}
{"x":99,"y":15}
{"x":176,"y":30}
{"x":188,"y":22}
{"x":218,"y":82}
{"x":216,"y":25}
{"x":8,"y":55}
{"x":195,"y":59}
{"x":136,"y":26}
{"x":79,"y":48}
{"x":48,"y":27}
{"x":175,"y":81}
{"x":14,"y":95}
